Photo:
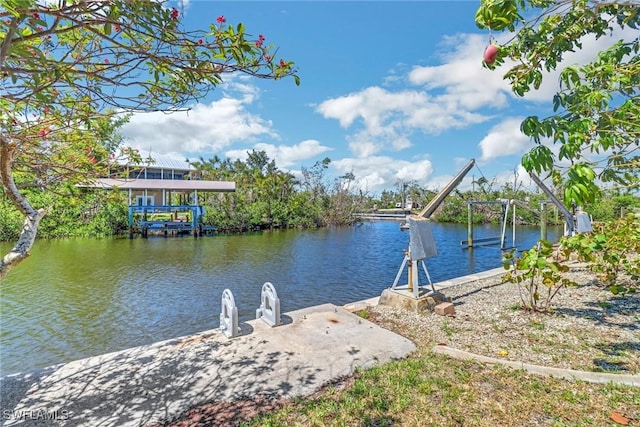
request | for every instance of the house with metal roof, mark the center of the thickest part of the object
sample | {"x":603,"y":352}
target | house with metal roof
{"x":163,"y":194}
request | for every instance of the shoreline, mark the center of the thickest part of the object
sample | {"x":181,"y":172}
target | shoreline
{"x":183,"y":373}
{"x":160,"y":381}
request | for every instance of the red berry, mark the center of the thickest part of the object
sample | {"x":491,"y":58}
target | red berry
{"x":200,"y":41}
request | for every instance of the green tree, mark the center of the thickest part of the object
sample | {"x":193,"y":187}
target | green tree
{"x":67,"y":67}
{"x":597,"y":108}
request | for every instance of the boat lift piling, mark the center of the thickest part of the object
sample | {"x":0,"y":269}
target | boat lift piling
{"x":482,"y":241}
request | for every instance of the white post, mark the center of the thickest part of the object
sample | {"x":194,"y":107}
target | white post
{"x":513,"y":220}
{"x":505,"y":215}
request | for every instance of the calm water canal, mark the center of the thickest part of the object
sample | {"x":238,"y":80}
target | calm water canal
{"x":81,"y":297}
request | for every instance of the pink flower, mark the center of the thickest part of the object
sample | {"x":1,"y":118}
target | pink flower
{"x":200,"y":41}
{"x":282,"y":63}
{"x":174,"y":13}
{"x":221,"y":19}
{"x":106,"y":60}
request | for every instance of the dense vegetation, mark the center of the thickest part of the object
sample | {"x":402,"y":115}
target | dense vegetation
{"x":267,"y":197}
{"x":72,"y":69}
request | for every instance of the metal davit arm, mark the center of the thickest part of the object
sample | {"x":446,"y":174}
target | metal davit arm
{"x":568,"y":217}
{"x":437,"y":201}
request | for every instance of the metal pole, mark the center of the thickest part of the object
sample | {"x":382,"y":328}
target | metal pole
{"x":513,"y":220}
{"x":410,"y":276}
{"x":568,"y":216}
{"x":505,"y":215}
{"x":439,"y":198}
{"x":470,"y":225}
{"x":404,"y":262}
{"x":414,"y":278}
{"x":543,"y":222}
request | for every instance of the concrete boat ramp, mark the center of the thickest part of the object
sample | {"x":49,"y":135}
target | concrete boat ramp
{"x":146,"y":384}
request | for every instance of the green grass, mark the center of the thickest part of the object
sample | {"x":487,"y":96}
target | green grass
{"x":536,"y":324}
{"x":605,"y":305}
{"x":430,"y":389}
{"x":364,"y":313}
{"x":448,"y":329}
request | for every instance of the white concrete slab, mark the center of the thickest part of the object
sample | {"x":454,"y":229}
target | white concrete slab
{"x":159,"y":381}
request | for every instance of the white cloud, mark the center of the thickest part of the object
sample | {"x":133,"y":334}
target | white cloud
{"x":504,"y":139}
{"x":284,"y":155}
{"x":518,"y":176}
{"x":379,"y":172}
{"x":388,"y":118}
{"x":464,"y":83}
{"x":467,"y":85}
{"x":205,"y":128}
{"x":437,"y":183}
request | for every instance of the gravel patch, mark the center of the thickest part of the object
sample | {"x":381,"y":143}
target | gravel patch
{"x":588,"y":328}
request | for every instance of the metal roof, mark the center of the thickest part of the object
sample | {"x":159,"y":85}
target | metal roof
{"x":160,"y":161}
{"x":163,"y":184}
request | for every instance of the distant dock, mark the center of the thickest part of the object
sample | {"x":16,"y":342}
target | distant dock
{"x":384,"y":214}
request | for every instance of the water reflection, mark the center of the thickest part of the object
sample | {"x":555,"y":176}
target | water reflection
{"x":80,"y":297}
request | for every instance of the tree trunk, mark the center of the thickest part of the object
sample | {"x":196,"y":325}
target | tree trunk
{"x":32,"y":216}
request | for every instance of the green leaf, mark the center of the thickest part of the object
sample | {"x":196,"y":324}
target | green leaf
{"x":541,"y":263}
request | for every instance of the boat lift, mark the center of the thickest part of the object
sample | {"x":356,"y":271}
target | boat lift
{"x":578,"y":222}
{"x":422,"y":244}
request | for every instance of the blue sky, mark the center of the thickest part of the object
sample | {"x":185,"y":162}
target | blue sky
{"x":391,"y":91}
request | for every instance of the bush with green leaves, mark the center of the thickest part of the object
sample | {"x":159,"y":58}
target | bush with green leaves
{"x":611,"y":251}
{"x":538,"y":276}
